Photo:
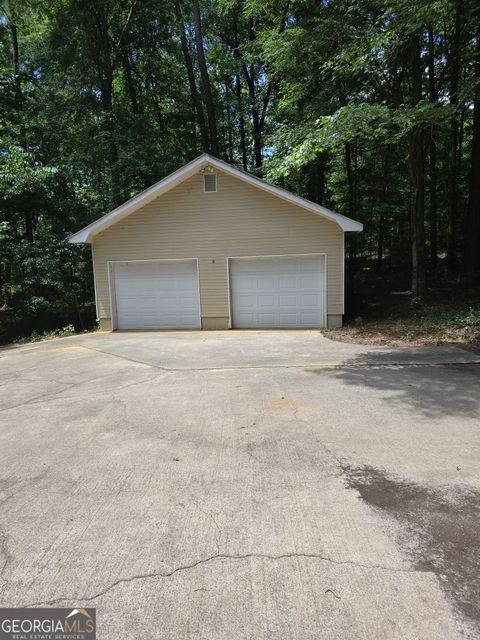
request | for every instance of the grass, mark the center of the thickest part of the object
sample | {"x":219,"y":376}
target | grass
{"x":444,"y":316}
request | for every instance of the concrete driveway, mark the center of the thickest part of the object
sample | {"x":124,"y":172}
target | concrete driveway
{"x":234,"y":485}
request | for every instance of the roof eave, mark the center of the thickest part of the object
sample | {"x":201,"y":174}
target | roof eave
{"x":81,"y":237}
{"x":352,"y":226}
{"x":85,"y":235}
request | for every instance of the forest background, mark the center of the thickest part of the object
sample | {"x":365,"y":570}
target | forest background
{"x":369,"y":107}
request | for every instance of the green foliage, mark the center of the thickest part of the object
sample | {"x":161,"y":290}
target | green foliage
{"x":96,"y":105}
{"x":448,"y":316}
{"x":469,"y":319}
{"x":65,"y":332}
{"x":418,"y":305}
{"x":20,"y":176}
{"x":375,"y":124}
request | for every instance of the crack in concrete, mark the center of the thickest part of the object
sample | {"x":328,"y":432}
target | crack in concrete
{"x":327,"y":365}
{"x":239,"y":557}
{"x":7,"y":557}
{"x":55,"y":395}
{"x":335,"y":365}
{"x":41,"y":398}
{"x":116,"y":355}
{"x":9,"y":489}
{"x":295,"y":411}
{"x":212,"y":518}
{"x":36,"y":399}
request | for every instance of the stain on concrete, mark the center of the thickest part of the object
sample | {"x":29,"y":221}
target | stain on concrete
{"x":285,"y":403}
{"x":437,"y":529}
{"x":73,"y":348}
{"x":281,"y":403}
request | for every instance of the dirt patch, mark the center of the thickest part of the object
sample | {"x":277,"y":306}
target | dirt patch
{"x":404,"y":333}
{"x":446,"y":315}
{"x":438,"y":529}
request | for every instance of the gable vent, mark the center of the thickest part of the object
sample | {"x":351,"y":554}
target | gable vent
{"x":209,"y":182}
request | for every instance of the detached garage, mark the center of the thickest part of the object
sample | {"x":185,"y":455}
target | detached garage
{"x":212,"y":247}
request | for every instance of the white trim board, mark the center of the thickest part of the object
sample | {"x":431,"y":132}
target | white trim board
{"x":86,"y":234}
{"x":97,"y":306}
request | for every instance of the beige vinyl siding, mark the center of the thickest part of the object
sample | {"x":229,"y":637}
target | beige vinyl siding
{"x":237,"y":220}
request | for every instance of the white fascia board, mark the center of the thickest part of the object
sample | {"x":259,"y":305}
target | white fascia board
{"x":85,"y":235}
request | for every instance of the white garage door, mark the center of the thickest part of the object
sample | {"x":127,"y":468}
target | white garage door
{"x":157,"y":295}
{"x":278,"y":292}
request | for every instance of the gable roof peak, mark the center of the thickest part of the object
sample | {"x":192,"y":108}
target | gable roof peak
{"x":86,"y":234}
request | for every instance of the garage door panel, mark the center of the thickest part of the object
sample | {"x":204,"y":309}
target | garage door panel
{"x":245,"y":301}
{"x":248,"y":286}
{"x":289,"y":300}
{"x":266,"y":319}
{"x":265,"y":283}
{"x":265,"y":300}
{"x":311,"y":318}
{"x":278,"y":292}
{"x":157,"y":295}
{"x":288,"y":282}
{"x":308,"y":282}
{"x":288,"y":319}
{"x":310,"y":300}
{"x":246,"y":319}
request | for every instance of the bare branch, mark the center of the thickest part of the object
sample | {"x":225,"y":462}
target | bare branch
{"x":125,"y":26}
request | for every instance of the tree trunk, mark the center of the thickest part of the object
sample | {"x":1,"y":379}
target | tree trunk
{"x":105,"y":66}
{"x":241,"y":121}
{"x":130,"y":84}
{"x":453,"y":162}
{"x":238,"y":90}
{"x":16,"y":74}
{"x":106,"y":89}
{"x":418,"y":229}
{"x":383,"y":202}
{"x":28,"y":226}
{"x":249,"y":74}
{"x":433,"y":205}
{"x":197,"y":104}
{"x":15,"y":53}
{"x":349,"y":152}
{"x":258,"y":115}
{"x":472,"y":248}
{"x":104,"y":55}
{"x":316,"y":180}
{"x":433,"y":208}
{"x":207,"y":90}
{"x":352,"y":240}
{"x":417,"y":175}
{"x":229,"y":108}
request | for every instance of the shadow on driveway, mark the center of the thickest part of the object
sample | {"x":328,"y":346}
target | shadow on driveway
{"x":433,"y":389}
